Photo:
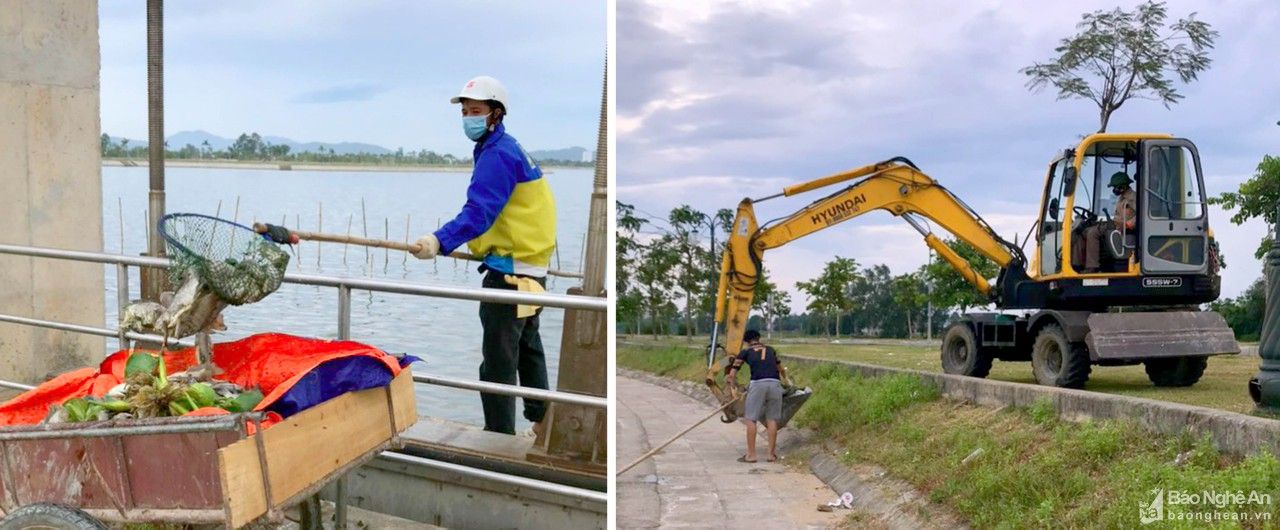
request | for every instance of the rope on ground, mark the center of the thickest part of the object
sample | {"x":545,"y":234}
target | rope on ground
{"x":677,"y":436}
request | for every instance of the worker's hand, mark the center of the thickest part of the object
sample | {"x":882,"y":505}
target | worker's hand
{"x":429,"y":247}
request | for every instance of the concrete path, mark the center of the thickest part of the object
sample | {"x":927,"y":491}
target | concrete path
{"x":696,"y":481}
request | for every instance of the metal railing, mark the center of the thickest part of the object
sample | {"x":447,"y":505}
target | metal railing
{"x":344,"y":286}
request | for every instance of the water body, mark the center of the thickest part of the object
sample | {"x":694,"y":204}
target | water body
{"x":445,"y":333}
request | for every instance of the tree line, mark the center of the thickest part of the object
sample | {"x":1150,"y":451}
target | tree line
{"x":666,"y":282}
{"x":252,"y":147}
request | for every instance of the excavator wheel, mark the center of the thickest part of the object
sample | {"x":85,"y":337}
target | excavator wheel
{"x":961,"y":354}
{"x":1176,"y":371}
{"x":1056,"y":361}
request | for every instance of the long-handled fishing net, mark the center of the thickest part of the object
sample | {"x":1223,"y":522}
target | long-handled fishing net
{"x":235,"y":262}
{"x":216,"y":263}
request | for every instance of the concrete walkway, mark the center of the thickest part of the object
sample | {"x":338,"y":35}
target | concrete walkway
{"x":696,"y":481}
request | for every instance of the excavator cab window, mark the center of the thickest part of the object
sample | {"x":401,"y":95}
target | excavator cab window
{"x":1095,"y":203}
{"x":1051,"y":219}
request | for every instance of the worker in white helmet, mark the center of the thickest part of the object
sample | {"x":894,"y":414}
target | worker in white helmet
{"x":509,"y":222}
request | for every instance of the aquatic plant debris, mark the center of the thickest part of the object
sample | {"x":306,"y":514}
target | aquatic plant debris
{"x":150,"y":392}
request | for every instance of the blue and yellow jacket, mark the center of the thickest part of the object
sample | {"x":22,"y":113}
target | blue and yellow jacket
{"x":510,"y":216}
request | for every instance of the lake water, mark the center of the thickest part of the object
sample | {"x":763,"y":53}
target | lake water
{"x":444,"y":333}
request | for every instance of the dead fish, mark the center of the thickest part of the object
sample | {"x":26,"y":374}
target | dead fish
{"x":117,"y":392}
{"x":200,"y":372}
{"x":145,"y":317}
{"x":56,"y":415}
{"x":194,"y":308}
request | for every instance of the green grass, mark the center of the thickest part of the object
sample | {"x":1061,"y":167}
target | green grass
{"x":1032,"y":470}
{"x":1223,"y":387}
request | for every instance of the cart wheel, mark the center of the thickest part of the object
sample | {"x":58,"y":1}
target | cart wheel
{"x":51,"y":517}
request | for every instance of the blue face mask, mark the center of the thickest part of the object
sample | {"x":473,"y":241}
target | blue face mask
{"x":475,"y":126}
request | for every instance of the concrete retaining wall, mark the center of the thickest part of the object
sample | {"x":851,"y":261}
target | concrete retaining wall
{"x":50,"y":182}
{"x":1231,"y":432}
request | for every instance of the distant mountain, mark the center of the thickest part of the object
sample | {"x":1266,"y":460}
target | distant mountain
{"x":196,"y":138}
{"x":572,"y":154}
{"x":217,"y":143}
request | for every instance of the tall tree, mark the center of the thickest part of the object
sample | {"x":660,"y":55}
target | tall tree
{"x":626,"y":255}
{"x":1118,"y":55}
{"x":653,"y":278}
{"x":691,"y":276}
{"x":950,"y":289}
{"x":830,"y":293}
{"x":1257,"y":197}
{"x":908,"y":292}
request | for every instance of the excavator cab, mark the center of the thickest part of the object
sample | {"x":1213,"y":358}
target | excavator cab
{"x":1167,"y":247}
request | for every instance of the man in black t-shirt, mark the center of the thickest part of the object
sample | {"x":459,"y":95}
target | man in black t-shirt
{"x":764,"y":396}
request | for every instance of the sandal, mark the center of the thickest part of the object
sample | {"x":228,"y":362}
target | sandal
{"x":772,"y":458}
{"x":743,"y":458}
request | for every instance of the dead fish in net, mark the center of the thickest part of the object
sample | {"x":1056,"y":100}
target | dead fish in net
{"x":145,"y":317}
{"x":194,"y":308}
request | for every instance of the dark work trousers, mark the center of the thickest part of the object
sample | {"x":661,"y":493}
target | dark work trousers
{"x":512,"y":347}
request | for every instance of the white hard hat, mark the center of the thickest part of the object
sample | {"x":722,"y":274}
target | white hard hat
{"x":483,"y":88}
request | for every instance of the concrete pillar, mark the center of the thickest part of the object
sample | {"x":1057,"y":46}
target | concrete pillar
{"x":50,"y":182}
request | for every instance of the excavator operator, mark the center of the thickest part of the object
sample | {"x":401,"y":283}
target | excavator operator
{"x":1124,"y":220}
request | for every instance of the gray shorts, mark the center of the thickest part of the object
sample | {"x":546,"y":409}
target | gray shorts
{"x":764,"y":400}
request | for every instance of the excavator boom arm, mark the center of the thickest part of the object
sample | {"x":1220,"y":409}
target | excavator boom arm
{"x":896,"y":186}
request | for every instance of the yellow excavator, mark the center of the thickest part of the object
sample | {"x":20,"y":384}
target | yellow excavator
{"x":1140,"y":305}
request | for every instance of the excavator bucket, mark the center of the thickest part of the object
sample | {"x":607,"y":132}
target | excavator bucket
{"x":792,"y":400}
{"x":1135,"y":336}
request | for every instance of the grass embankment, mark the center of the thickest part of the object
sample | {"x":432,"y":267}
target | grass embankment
{"x":1032,"y":470}
{"x":1223,"y":387}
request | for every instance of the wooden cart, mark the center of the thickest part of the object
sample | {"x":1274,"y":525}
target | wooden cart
{"x":213,"y":469}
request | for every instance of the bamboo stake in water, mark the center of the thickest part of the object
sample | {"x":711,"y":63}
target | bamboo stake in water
{"x":386,"y":234}
{"x":558,"y":264}
{"x":364,"y":225}
{"x":120,"y":206}
{"x":297,"y":221}
{"x":319,"y":228}
{"x":235,"y":218}
{"x":283,"y":218}
{"x":406,"y":237}
{"x":345,"y":246}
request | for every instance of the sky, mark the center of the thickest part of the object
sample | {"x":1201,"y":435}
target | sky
{"x":721,"y":100}
{"x":374,"y":71}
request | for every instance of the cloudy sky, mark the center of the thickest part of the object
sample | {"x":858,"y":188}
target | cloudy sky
{"x":721,"y":100}
{"x":379,"y":71}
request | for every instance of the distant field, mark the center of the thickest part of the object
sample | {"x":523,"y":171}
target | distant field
{"x":1224,"y":385}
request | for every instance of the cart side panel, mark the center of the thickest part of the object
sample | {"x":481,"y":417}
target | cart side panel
{"x":404,"y":401}
{"x":308,"y":447}
{"x":84,"y":472}
{"x":176,"y":471}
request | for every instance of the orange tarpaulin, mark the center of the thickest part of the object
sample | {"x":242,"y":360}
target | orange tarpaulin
{"x":272,"y":362}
